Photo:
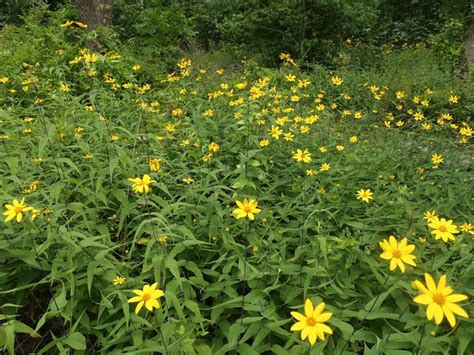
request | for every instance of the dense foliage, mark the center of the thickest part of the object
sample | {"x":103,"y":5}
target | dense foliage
{"x":206,"y":211}
{"x":322,"y":31}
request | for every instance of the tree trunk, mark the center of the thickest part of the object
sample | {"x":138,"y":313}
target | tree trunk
{"x":95,"y":13}
{"x":468,"y":58}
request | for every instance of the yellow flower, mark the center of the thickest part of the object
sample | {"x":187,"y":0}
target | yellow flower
{"x":397,"y":253}
{"x":208,"y":113}
{"x":80,"y":24}
{"x":311,"y":323}
{"x":148,"y":297}
{"x":207,"y":158}
{"x":443,"y":229}
{"x":16,"y":210}
{"x":337,"y":81}
{"x":436,"y":159}
{"x":302,"y":155}
{"x":339,"y":148}
{"x":154,"y":164}
{"x":119,"y":280}
{"x":90,"y":57}
{"x":353,"y":139}
{"x":288,"y":136}
{"x":34,"y":213}
{"x":264,"y":142}
{"x":467,"y":228}
{"x":188,"y":181}
{"x":364,"y":195}
{"x":141,"y":185}
{"x":162,"y":239}
{"x":440,"y":300}
{"x":325,"y":167}
{"x":399,"y":95}
{"x":67,"y":24}
{"x":453,"y":99}
{"x":247,"y":208}
{"x":430,"y":216}
{"x":213,"y":147}
{"x":311,"y":172}
{"x":275,"y":132}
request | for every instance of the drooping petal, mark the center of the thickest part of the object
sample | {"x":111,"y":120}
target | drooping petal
{"x":386,"y":255}
{"x":154,"y":303}
{"x":409,"y":259}
{"x":456,"y":298}
{"x":456,"y":309}
{"x":305,"y":333}
{"x":438,"y":313}
{"x":149,"y":305}
{"x":298,"y":316}
{"x":449,"y":315}
{"x":298,"y":326}
{"x":325,"y":328}
{"x":423,"y":299}
{"x":401,"y":265}
{"x":323,"y":317}
{"x":408,"y":249}
{"x":135,"y":299}
{"x":10,"y":217}
{"x":313,"y":334}
{"x":157,"y":294}
{"x":393,"y":264}
{"x":430,"y":310}
{"x":139,"y":306}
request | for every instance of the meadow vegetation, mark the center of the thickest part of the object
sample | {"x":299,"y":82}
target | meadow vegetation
{"x":223,"y":206}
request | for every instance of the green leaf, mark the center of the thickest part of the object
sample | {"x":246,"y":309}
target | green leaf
{"x":172,"y":266}
{"x":76,"y":340}
{"x":346,"y":329}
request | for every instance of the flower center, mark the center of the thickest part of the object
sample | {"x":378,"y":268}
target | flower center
{"x":439,"y":298}
{"x":146,"y":297}
{"x":311,"y":321}
{"x":247,"y":209}
{"x":396,"y":253}
{"x":442,"y":229}
{"x":18,"y":210}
